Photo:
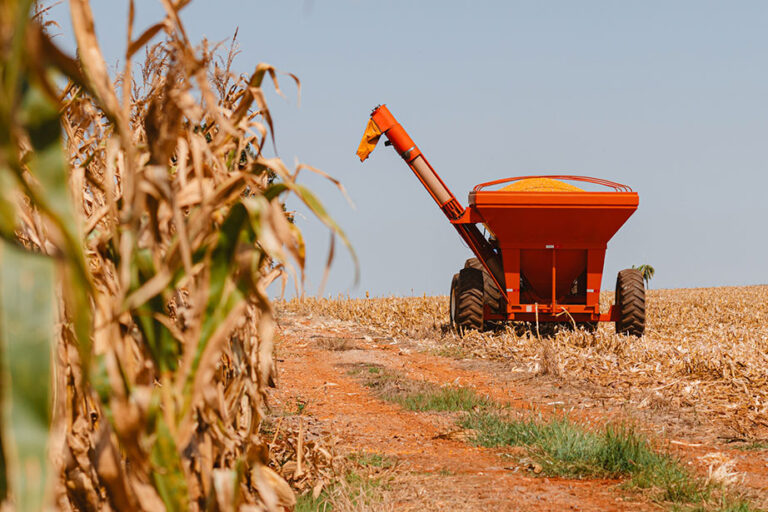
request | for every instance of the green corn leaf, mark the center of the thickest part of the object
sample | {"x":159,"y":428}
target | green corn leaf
{"x":41,"y":119}
{"x":7,"y":213}
{"x":27,"y":320}
{"x":318,"y":209}
{"x":48,"y":165}
{"x":167,"y":471}
{"x":12,"y":67}
{"x":314,"y":204}
{"x":221,"y":298}
{"x":162,"y":344}
{"x":275,"y":190}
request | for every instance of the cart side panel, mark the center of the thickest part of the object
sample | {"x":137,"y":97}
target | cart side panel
{"x":536,"y":268}
{"x":553,"y":247}
{"x":568,"y":219}
{"x":595,"y":261}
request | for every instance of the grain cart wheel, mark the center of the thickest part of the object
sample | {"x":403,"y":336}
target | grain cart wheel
{"x":630,"y":302}
{"x":469,"y":300}
{"x":452,"y":307}
{"x":491,"y":294}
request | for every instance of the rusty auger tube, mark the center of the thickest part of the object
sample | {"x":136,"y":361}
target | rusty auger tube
{"x":407,"y":149}
{"x":418,"y":163}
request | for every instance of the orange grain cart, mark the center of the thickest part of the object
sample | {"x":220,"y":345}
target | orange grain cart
{"x":543,"y":258}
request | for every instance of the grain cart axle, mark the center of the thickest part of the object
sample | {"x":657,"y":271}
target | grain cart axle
{"x":543,"y":259}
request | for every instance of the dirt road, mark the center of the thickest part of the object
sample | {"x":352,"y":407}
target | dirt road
{"x":437,"y":467}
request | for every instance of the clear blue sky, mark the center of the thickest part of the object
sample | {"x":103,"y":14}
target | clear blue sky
{"x":670,"y":98}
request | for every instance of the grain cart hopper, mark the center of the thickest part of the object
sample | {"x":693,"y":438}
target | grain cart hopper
{"x":542,"y":260}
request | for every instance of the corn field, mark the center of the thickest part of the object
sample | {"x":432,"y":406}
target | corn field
{"x":704,"y":349}
{"x":151,"y":195}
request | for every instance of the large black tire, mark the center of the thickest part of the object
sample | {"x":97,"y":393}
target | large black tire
{"x":630,"y":302}
{"x":469,"y":300}
{"x":491,"y":294}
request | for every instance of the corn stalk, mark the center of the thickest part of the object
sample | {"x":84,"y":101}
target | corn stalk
{"x":166,"y":223}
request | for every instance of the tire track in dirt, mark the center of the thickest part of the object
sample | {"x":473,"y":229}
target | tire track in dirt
{"x":436,"y":472}
{"x":523,"y":393}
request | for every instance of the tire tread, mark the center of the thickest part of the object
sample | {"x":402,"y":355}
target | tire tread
{"x":630,"y":301}
{"x":469,"y":300}
{"x":491,"y":294}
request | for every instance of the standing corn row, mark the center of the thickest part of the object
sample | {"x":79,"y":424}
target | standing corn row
{"x":165,"y":338}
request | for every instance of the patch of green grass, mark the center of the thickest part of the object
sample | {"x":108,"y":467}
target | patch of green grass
{"x":565,"y":449}
{"x":306,"y":503}
{"x":362,"y":490}
{"x":443,"y":399}
{"x":419,"y":396}
{"x":352,"y":492}
{"x":753,"y":446}
{"x":360,"y":370}
{"x":301,"y":404}
{"x":376,"y":460}
{"x":723,"y":505}
{"x":451,"y":351}
{"x":671,"y":482}
{"x":562,"y":448}
{"x":739,"y":506}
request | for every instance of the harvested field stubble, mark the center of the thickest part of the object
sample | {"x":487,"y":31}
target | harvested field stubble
{"x":703,"y":348}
